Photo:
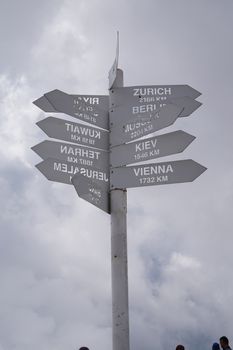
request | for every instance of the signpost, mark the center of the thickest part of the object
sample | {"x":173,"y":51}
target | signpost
{"x":94,"y":158}
{"x":150,"y":148}
{"x":120,"y":303}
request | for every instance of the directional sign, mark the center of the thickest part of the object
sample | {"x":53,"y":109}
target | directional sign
{"x":83,"y":107}
{"x":71,"y":153}
{"x":113,"y":71}
{"x":93,"y":103}
{"x":75,"y":132}
{"x":140,"y":95}
{"x":156,"y":174}
{"x":145,"y":110}
{"x":92,"y":192}
{"x":121,"y":133}
{"x":61,"y":171}
{"x":150,"y":148}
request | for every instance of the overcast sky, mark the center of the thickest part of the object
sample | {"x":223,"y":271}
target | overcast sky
{"x":55,"y":262}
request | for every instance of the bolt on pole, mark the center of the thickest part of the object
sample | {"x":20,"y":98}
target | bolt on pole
{"x":120,"y":304}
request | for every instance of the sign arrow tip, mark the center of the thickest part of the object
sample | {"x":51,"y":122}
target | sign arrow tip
{"x":44,"y":104}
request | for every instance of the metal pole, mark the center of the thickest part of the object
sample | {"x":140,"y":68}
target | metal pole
{"x":120,"y":306}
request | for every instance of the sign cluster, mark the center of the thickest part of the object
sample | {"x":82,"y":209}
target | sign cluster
{"x":111,"y":135}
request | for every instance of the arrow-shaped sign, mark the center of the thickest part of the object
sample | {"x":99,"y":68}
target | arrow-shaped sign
{"x":150,"y":148}
{"x":71,"y":153}
{"x":92,"y":103}
{"x":136,"y":95}
{"x":92,"y":192}
{"x":75,"y":132}
{"x":155,"y":174}
{"x":92,"y":109}
{"x":146,"y":110}
{"x":120,"y":134}
{"x":61,"y":171}
{"x":65,"y":103}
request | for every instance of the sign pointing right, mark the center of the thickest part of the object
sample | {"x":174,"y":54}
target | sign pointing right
{"x":150,"y":148}
{"x":150,"y":94}
{"x":139,"y":110}
{"x":120,"y":134}
{"x":155,"y":174}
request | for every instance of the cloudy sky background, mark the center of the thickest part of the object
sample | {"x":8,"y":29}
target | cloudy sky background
{"x":55,"y":248}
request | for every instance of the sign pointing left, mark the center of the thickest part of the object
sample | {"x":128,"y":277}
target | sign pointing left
{"x":92,"y":103}
{"x":80,"y":155}
{"x":81,"y":107}
{"x":44,"y":104}
{"x":75,"y":132}
{"x":61,"y":171}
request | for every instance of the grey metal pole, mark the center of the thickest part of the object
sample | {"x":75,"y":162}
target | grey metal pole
{"x":120,"y":306}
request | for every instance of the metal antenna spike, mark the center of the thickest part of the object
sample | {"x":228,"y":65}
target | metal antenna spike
{"x":113,"y":71}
